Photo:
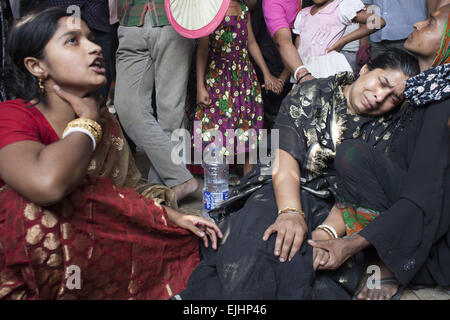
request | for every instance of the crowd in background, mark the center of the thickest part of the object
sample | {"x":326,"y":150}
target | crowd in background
{"x":140,"y":47}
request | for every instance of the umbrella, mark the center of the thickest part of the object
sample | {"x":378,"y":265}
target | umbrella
{"x":196,"y":18}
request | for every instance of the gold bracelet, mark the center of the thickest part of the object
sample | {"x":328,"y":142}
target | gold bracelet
{"x":327,"y":231}
{"x":88,"y":124}
{"x":91,"y":122}
{"x":291,"y":210}
{"x":85,"y":121}
{"x":95,"y":134}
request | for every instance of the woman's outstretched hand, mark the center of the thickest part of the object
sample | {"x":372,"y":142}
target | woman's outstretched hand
{"x":87,"y":107}
{"x":291,"y":231}
{"x":199,"y":226}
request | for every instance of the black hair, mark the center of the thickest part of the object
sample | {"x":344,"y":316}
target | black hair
{"x":28,"y":38}
{"x":396,"y":59}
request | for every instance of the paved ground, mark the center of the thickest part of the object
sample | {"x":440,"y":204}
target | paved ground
{"x":195,"y":201}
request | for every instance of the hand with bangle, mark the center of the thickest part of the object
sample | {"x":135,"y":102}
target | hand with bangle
{"x":322,"y":232}
{"x":291,"y":229}
{"x":302,"y":74}
{"x":88,"y":113}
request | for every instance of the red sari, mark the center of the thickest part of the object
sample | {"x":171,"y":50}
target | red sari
{"x":121,"y":244}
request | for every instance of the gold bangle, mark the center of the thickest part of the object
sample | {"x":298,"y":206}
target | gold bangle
{"x":96,"y":135}
{"x":85,"y":121}
{"x":88,"y":124}
{"x":327,"y":231}
{"x":292,"y":210}
{"x":91,"y":122}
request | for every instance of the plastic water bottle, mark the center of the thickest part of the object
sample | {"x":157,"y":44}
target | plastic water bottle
{"x":215,"y":189}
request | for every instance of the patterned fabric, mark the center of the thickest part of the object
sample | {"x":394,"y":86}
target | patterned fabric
{"x":432,"y":85}
{"x":121,"y":244}
{"x":133,"y":12}
{"x":443,"y":56}
{"x":158,"y":13}
{"x":233,"y":89}
{"x":357,"y":218}
{"x":313,"y":120}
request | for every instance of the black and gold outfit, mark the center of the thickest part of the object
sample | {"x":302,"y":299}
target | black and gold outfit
{"x":312,"y":121}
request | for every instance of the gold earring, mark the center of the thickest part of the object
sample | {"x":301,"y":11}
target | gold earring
{"x":41,"y":85}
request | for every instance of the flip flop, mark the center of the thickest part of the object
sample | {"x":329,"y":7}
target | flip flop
{"x":385,"y":281}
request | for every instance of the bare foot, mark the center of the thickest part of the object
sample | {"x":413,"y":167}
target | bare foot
{"x":386,"y":291}
{"x":185,"y":189}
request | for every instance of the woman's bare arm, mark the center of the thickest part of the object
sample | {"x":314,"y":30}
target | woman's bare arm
{"x":289,"y":54}
{"x":45,"y":174}
{"x":291,"y":228}
{"x":270,"y":82}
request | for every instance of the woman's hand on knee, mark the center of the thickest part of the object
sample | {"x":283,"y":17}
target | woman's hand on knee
{"x":291,"y":231}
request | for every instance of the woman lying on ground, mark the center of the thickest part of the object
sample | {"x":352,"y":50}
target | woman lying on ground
{"x":71,"y":222}
{"x":313,"y":119}
{"x":405,"y":189}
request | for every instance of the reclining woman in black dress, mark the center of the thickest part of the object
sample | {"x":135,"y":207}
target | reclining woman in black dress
{"x":314,"y":118}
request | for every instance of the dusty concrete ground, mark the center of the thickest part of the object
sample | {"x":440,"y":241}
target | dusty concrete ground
{"x":195,"y":201}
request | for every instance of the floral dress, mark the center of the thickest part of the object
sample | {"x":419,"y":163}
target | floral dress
{"x":234,"y":91}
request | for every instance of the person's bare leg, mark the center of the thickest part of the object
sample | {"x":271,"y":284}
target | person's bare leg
{"x":385,"y":292}
{"x":185,"y":189}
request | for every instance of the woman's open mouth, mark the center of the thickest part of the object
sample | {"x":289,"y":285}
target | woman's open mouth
{"x":98,"y":66}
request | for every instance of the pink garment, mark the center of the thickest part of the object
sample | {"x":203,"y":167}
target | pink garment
{"x":320,"y":31}
{"x":279,"y":14}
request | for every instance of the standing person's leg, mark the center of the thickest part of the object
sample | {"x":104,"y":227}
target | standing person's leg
{"x":173,"y":58}
{"x":134,"y":85}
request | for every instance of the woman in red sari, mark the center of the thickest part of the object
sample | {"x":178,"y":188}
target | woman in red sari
{"x":71,"y":222}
